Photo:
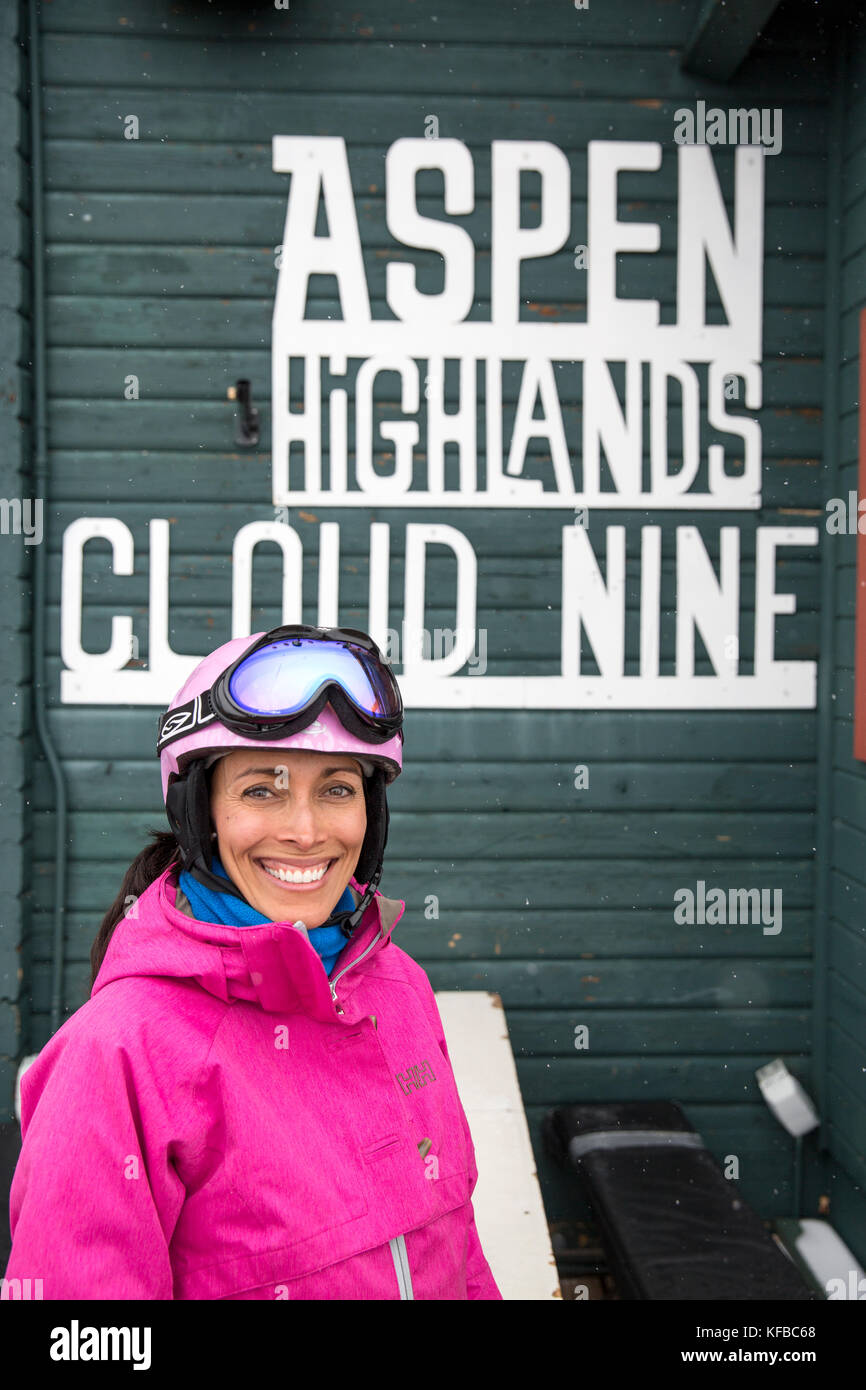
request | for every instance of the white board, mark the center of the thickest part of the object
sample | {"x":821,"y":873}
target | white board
{"x":509,"y":1212}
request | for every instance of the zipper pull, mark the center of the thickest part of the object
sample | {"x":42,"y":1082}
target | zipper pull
{"x":334,"y":996}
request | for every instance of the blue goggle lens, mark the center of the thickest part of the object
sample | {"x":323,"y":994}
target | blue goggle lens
{"x":299,"y":667}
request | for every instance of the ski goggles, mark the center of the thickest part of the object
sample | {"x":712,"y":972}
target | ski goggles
{"x":281,"y":683}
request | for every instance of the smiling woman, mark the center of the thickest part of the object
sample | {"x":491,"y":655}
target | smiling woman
{"x":224,"y":1119}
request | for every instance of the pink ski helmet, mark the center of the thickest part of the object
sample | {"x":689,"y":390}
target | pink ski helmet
{"x":326,"y":734}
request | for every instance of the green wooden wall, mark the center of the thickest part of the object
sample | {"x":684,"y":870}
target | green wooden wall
{"x":16,"y":557}
{"x":160,"y":263}
{"x":841,"y":978}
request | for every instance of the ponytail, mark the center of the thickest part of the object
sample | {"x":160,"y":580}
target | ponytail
{"x":144,"y":870}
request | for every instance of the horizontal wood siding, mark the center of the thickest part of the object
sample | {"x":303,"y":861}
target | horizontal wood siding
{"x":161,"y":263}
{"x":16,"y":557}
{"x":844,"y":1062}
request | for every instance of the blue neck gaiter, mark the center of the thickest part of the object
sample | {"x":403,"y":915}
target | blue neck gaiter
{"x":228,"y":911}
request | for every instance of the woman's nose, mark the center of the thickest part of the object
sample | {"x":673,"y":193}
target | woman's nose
{"x":301,"y":822}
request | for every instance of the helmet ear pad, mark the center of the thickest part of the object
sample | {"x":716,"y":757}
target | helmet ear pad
{"x":378,"y":818}
{"x":187,"y":805}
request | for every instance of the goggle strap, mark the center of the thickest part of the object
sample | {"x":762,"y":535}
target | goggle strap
{"x":184,"y":720}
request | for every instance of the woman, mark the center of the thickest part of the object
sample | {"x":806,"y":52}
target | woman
{"x":256,"y":1101}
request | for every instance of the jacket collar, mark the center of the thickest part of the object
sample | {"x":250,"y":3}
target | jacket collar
{"x":272,"y":964}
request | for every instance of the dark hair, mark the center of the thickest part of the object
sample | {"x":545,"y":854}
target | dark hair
{"x":145,"y":868}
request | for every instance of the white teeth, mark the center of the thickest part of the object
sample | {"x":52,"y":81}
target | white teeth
{"x":297,"y":875}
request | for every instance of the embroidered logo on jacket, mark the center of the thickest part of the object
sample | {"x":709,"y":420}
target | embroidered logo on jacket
{"x":413,"y":1078}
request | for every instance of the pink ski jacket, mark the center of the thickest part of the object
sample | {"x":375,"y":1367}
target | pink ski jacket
{"x":222,"y":1121}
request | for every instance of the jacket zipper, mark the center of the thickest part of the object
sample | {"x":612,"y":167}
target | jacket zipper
{"x":333,"y":982}
{"x":398,"y":1244}
{"x":401,"y":1265}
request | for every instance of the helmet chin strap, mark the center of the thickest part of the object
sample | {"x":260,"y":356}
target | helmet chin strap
{"x":348,"y":921}
{"x":187,"y":806}
{"x":370,"y":860}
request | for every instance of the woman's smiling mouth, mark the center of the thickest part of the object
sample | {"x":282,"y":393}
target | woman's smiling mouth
{"x":308,"y":876}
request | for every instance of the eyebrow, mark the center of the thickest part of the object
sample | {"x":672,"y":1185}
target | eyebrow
{"x":272,"y":767}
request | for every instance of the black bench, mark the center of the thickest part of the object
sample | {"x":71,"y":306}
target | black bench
{"x":673,"y":1226}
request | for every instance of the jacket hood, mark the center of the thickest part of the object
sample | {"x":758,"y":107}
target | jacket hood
{"x":272,"y":964}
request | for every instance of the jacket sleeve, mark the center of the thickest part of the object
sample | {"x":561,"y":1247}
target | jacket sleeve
{"x":94,"y":1200}
{"x":479,"y":1277}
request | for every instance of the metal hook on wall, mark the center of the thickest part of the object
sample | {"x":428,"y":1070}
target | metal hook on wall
{"x":247,"y":419}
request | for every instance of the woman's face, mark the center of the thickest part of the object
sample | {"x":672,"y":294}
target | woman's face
{"x":292,"y":813}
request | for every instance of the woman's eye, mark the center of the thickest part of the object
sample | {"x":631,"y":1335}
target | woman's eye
{"x":263,"y":792}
